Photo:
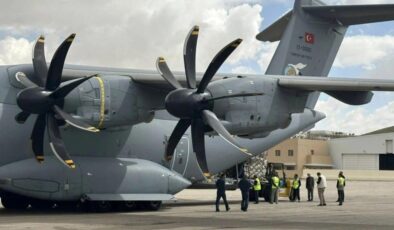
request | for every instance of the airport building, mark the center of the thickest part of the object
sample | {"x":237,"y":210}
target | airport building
{"x":309,"y":150}
{"x":334,"y":150}
{"x":298,"y":154}
{"x":371,"y":151}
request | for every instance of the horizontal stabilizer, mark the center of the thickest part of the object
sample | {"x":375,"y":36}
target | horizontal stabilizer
{"x":353,"y":14}
{"x":350,"y":91}
{"x":336,"y":84}
{"x":345,"y":15}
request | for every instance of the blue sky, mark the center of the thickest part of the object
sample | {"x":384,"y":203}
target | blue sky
{"x":132,"y":34}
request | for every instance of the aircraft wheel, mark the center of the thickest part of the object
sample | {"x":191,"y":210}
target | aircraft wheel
{"x":41,"y":204}
{"x":128,"y":205}
{"x":152,"y":205}
{"x":14,"y":202}
{"x":67,"y":205}
{"x":100,"y":206}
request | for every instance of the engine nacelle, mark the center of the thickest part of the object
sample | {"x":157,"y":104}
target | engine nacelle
{"x":108,"y":101}
{"x":254,"y":116}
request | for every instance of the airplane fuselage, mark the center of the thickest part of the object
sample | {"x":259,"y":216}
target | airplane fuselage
{"x":134,"y":130}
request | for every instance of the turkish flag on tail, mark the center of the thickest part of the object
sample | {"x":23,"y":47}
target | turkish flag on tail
{"x":309,"y":38}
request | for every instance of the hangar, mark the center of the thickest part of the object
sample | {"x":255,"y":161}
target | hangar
{"x":371,"y":151}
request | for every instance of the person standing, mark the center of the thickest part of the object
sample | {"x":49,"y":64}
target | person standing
{"x":296,"y":188}
{"x":221,"y":193}
{"x":341,"y":188}
{"x":321,"y":186}
{"x":310,"y":185}
{"x":244,"y":185}
{"x":275,"y":181}
{"x":256,"y":189}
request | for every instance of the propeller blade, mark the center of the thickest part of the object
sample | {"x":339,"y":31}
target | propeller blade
{"x":236,"y":95}
{"x":199,"y":144}
{"x":22,"y":79}
{"x":166,"y":73}
{"x":37,"y":138}
{"x":56,"y":67}
{"x":66,"y":88}
{"x":189,"y":56}
{"x":216,"y":63}
{"x":216,"y":125}
{"x":22,"y":117}
{"x":39,"y":62}
{"x":74,"y":122}
{"x":175,"y":137}
{"x":56,"y":142}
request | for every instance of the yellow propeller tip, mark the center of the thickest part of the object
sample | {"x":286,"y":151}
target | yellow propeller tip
{"x":93,"y":129}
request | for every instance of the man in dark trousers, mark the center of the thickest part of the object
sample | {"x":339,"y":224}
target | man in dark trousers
{"x":296,"y":187}
{"x":310,"y":186}
{"x":256,"y":189}
{"x":244,"y":185}
{"x":341,"y":183}
{"x":221,"y":193}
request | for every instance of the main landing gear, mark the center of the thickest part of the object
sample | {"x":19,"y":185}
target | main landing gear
{"x":16,"y":202}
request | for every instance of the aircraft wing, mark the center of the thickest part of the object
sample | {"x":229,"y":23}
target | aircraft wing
{"x":352,"y":91}
{"x":324,"y":84}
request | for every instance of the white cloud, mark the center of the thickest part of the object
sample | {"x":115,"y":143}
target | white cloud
{"x":266,"y":54}
{"x":353,"y":119}
{"x":364,"y":50}
{"x":133,"y":34}
{"x":14,"y":50}
{"x":243,"y":70}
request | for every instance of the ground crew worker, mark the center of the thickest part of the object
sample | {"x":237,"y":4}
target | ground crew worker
{"x":296,"y":188}
{"x":244,"y":185}
{"x":341,"y":188}
{"x":275,"y":181}
{"x":221,"y":193}
{"x":321,"y":186}
{"x":256,"y":189}
{"x":310,"y":185}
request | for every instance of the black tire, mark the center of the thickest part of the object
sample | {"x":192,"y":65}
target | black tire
{"x":14,"y":202}
{"x":152,"y":205}
{"x":128,"y":205}
{"x":41,"y":204}
{"x":100,"y":206}
{"x":67,"y":205}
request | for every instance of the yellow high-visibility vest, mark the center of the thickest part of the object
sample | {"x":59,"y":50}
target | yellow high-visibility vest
{"x":275,"y":182}
{"x":341,"y":181}
{"x":257,"y":186}
{"x":296,"y":184}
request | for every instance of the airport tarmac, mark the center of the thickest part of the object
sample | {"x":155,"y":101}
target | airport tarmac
{"x":369,"y":205}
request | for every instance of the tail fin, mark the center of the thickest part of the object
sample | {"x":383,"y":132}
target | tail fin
{"x":310,"y":36}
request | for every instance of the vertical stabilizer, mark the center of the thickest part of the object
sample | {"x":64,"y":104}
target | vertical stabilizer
{"x":308,"y":44}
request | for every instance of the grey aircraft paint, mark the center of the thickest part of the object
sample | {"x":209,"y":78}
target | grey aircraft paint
{"x":125,"y":160}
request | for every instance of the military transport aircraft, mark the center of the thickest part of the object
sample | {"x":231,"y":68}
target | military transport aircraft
{"x":121,"y":136}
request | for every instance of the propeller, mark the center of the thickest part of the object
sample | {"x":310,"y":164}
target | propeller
{"x":45,"y":97}
{"x":193,"y":105}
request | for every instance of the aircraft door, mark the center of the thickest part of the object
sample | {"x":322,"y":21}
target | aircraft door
{"x":181,"y":156}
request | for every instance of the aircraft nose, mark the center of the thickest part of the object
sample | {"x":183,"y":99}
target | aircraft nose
{"x":177,"y":183}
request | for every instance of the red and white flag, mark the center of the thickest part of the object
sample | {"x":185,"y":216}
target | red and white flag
{"x":309,"y":38}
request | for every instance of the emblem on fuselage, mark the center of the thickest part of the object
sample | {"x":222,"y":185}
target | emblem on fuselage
{"x":294,"y":70}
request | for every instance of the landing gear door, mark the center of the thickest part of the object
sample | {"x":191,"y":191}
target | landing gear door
{"x":181,"y":156}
